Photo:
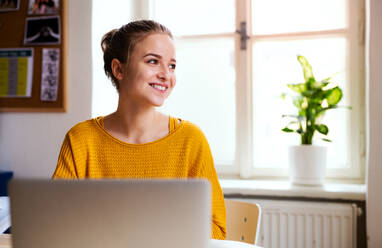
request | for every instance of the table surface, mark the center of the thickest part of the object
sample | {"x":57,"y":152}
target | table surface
{"x":6,"y":242}
{"x":230,"y":244}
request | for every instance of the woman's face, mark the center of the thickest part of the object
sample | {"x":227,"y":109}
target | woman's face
{"x":150,"y":75}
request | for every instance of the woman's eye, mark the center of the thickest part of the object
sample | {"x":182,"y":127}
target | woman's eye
{"x":153,"y":61}
{"x":172,"y":66}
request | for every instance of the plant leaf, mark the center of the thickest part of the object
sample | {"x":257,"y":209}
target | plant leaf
{"x":322,"y":129}
{"x":329,"y":78}
{"x":293,"y":116}
{"x":297,"y":101}
{"x":327,"y":140}
{"x":298,"y":88}
{"x":307,"y":68}
{"x":292,"y":122}
{"x":334,"y":96}
{"x":287,"y":130}
{"x":320,"y":84}
{"x":310,"y":82}
{"x":319,"y":95}
{"x":297,"y":117}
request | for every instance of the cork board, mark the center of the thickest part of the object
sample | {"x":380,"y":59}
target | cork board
{"x":14,"y":26}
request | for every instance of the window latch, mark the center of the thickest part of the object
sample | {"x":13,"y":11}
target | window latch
{"x":243,"y":35}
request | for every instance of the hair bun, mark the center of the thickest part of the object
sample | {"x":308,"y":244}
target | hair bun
{"x":106,"y":39}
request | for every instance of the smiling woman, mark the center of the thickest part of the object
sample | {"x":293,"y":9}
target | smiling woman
{"x":137,"y":141}
{"x":150,"y":69}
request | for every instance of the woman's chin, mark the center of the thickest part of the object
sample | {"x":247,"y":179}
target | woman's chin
{"x":157,"y":103}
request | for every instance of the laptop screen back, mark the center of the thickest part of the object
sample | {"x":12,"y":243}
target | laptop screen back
{"x":110,"y":213}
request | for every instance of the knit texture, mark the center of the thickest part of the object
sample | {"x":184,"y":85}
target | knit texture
{"x":88,"y":151}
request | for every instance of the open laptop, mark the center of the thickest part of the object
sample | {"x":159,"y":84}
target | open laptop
{"x":110,"y":213}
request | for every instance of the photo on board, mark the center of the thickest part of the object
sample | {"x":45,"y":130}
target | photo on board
{"x":50,"y":74}
{"x":42,"y":30}
{"x":43,"y":7}
{"x":9,"y":5}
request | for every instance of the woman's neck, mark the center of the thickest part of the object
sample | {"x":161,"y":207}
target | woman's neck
{"x":136,"y":124}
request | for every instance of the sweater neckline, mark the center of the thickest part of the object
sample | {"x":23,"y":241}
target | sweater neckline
{"x":172,"y":129}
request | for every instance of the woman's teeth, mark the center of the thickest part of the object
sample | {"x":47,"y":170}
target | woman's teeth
{"x":158,"y":87}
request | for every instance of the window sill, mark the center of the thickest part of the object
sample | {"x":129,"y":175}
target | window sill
{"x":269,"y":188}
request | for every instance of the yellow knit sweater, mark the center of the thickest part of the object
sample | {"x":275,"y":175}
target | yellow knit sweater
{"x":88,"y":151}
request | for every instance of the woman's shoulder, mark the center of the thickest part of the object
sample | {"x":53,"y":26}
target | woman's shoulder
{"x":84,"y":128}
{"x":190,"y":129}
{"x":192,"y":137}
{"x":190,"y":125}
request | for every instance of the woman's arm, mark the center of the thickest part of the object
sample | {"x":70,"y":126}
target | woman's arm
{"x":65,"y":165}
{"x":218,"y":205}
{"x":204,"y":167}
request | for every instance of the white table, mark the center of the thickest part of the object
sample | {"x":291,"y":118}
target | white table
{"x":6,"y":242}
{"x":230,"y":244}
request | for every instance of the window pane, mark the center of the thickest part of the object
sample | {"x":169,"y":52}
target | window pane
{"x":184,"y":17}
{"x":105,"y":96}
{"x":275,"y":65}
{"x":280,"y":16}
{"x":205,"y":91}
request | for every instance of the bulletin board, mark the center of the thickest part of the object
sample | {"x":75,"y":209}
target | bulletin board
{"x":33,"y":56}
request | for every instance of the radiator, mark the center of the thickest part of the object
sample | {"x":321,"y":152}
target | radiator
{"x":295,"y":224}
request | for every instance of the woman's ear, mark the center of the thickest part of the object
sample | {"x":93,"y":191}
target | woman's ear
{"x":117,"y":69}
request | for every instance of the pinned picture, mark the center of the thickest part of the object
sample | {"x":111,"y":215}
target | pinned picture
{"x":43,"y":7}
{"x":50,"y":74}
{"x":9,"y":5}
{"x":42,"y":30}
{"x":16,"y":72}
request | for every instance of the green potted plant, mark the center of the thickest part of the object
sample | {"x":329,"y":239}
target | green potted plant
{"x":312,"y":98}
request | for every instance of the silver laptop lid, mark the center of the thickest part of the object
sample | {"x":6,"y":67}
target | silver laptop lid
{"x":110,"y":213}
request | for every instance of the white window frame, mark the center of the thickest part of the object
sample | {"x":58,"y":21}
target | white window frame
{"x":243,"y":164}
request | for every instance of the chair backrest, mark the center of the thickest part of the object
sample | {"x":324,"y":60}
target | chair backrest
{"x":242,"y":221}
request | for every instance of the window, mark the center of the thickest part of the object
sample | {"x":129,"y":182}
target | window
{"x":333,"y":43}
{"x":205,"y":91}
{"x":233,"y":94}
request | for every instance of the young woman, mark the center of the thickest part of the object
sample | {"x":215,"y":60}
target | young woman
{"x":136,"y":141}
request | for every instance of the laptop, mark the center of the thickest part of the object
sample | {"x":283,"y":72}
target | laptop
{"x":110,"y":213}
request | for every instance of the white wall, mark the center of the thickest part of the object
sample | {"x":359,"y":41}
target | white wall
{"x":374,"y":180}
{"x":30,"y":142}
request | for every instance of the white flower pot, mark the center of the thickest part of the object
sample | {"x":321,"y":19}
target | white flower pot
{"x":307,"y":164}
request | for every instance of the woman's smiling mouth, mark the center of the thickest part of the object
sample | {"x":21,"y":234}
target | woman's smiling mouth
{"x":159,"y":87}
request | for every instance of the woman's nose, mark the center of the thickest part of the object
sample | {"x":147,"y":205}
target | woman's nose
{"x":164,"y":73}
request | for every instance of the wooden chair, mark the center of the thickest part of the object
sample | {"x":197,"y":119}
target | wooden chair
{"x":242,"y":221}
